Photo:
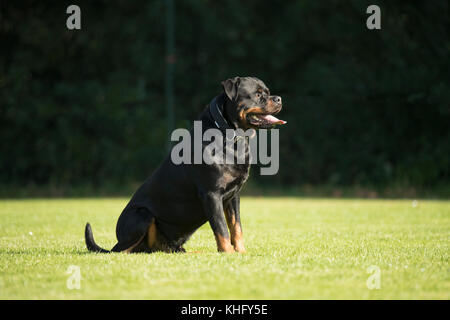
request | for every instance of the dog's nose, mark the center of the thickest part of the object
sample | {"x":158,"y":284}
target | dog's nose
{"x":276,"y":99}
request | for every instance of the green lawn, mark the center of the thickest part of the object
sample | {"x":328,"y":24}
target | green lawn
{"x":296,"y":249}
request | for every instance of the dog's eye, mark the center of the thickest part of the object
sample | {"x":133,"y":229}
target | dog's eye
{"x":258,"y":95}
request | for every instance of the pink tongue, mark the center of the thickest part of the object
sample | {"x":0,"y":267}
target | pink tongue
{"x":273,"y":120}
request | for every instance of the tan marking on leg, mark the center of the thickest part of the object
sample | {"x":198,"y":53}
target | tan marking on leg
{"x":130,"y":249}
{"x":237,"y":238}
{"x":151,"y":235}
{"x":223,"y":244}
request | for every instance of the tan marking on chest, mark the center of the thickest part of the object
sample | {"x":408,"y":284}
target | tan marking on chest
{"x":227,"y":178}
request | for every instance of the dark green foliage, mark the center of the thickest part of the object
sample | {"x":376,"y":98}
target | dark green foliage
{"x":88,"y":107}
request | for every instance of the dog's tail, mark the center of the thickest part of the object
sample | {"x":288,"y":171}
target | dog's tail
{"x":90,"y":243}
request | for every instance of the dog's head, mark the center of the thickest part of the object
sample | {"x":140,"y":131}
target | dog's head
{"x":250,"y":104}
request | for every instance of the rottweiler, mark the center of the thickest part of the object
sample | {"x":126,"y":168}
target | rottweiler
{"x":178,"y":198}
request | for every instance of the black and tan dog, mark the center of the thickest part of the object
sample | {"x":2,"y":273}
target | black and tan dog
{"x":177,"y":199}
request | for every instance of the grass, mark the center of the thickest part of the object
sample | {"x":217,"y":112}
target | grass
{"x":296,"y":249}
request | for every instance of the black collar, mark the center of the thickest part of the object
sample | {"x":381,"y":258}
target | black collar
{"x":219,"y":120}
{"x":217,"y":116}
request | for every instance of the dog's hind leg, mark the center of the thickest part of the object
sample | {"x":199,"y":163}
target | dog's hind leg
{"x":127,"y":247}
{"x":156,"y":241}
{"x":132,"y":228}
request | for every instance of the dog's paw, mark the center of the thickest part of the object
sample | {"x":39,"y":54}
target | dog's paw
{"x":226,"y":249}
{"x":239,"y":248}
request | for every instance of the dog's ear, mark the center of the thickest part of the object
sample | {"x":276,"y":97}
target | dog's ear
{"x":230,"y":87}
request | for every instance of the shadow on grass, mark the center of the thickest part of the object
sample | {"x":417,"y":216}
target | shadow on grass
{"x":46,"y":251}
{"x":79,"y":252}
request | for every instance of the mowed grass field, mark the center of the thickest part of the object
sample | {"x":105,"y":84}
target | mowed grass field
{"x":296,"y":249}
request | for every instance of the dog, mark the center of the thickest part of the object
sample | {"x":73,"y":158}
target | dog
{"x":177,"y":199}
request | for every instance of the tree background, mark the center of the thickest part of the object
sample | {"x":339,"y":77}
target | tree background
{"x":86,"y":109}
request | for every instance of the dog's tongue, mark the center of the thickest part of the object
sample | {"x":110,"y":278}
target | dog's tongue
{"x":272,"y":120}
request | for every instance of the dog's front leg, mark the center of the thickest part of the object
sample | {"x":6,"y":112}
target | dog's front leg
{"x":214,"y":211}
{"x":232,"y":215}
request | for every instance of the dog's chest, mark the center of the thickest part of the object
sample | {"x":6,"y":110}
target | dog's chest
{"x":233,"y":178}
